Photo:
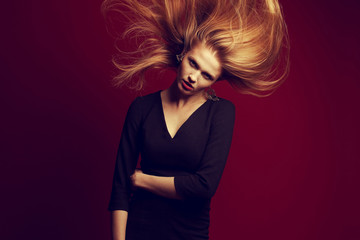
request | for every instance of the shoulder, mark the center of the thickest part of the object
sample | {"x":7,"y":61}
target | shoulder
{"x":145,"y":101}
{"x":222,"y":113}
{"x":152,"y":97}
{"x":222,"y":117}
{"x":141,"y":105}
{"x":223,"y":106}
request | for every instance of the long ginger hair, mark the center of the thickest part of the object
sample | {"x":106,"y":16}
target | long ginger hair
{"x":249,"y":37}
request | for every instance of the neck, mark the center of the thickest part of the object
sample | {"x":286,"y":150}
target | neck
{"x":174,"y":96}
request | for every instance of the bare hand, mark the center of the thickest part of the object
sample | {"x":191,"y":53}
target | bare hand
{"x":135,"y":178}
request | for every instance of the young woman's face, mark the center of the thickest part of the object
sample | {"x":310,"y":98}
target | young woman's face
{"x":199,"y":69}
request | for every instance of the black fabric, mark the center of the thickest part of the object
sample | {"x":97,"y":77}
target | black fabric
{"x":196,"y":156}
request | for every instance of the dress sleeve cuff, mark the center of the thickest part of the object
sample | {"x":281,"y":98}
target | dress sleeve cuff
{"x":122,"y":204}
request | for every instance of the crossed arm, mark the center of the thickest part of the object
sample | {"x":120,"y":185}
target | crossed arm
{"x":162,"y":186}
{"x":201,"y":184}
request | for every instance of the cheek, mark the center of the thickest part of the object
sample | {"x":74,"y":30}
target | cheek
{"x":185,"y":69}
{"x":204,"y":84}
{"x":180,"y":71}
{"x":210,"y":83}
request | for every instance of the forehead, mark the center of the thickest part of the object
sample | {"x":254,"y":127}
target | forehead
{"x":206,"y":58}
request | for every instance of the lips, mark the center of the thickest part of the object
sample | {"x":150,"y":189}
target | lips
{"x":187,"y":85}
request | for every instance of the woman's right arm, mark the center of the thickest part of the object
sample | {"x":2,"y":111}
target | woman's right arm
{"x":118,"y":224}
{"x":126,"y":160}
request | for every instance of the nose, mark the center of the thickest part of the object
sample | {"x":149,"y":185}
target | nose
{"x":193,"y":77}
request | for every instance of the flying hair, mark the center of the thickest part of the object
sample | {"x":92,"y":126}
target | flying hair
{"x":249,"y":37}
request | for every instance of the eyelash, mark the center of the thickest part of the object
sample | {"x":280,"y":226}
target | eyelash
{"x":207,"y":77}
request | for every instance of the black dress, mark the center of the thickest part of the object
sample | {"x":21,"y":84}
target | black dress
{"x":196,"y":156}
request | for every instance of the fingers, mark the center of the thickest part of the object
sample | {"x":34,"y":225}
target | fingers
{"x":135,"y":177}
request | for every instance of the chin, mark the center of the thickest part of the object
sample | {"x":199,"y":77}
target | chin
{"x":184,"y":91}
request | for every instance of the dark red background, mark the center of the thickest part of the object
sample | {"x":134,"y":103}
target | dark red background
{"x":293,"y":170}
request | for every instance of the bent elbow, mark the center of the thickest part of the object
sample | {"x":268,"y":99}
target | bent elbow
{"x":206,"y":190}
{"x":194,"y":187}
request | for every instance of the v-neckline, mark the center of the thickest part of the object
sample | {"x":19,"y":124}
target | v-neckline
{"x":164,"y":120}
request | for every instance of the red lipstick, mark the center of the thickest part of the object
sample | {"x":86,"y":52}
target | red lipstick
{"x":186,"y":85}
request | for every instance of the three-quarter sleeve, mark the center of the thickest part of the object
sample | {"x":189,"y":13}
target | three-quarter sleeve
{"x":203,"y":183}
{"x":127,"y":157}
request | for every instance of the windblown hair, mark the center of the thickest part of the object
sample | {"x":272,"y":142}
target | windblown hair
{"x":249,"y":37}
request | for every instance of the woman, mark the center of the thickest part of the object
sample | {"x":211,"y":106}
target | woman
{"x":184,"y":132}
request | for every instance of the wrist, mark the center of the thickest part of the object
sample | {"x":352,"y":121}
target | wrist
{"x":142,"y":180}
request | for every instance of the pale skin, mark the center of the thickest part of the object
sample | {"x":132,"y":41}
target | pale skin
{"x":199,"y":69}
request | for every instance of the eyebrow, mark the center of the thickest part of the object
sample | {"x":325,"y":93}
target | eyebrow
{"x":197,"y":66}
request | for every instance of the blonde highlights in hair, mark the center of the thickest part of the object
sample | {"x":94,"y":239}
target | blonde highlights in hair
{"x":249,"y":37}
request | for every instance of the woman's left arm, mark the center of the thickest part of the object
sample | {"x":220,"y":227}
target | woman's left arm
{"x":203,"y":183}
{"x":162,"y":186}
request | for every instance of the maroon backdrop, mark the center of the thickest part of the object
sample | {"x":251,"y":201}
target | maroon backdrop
{"x":293,"y":170}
